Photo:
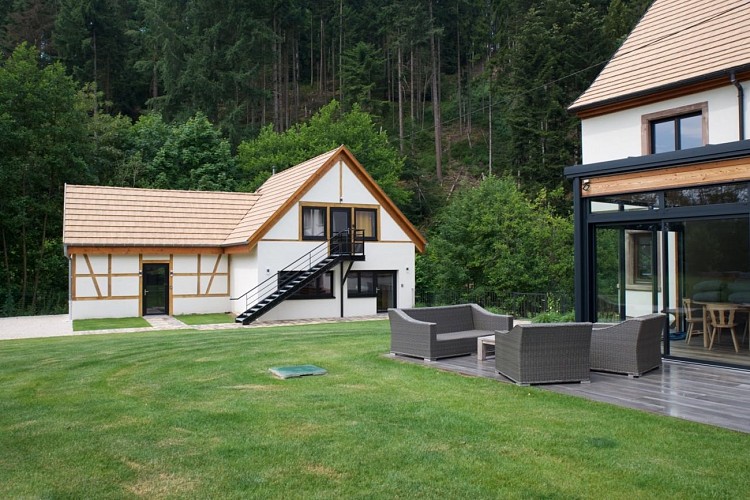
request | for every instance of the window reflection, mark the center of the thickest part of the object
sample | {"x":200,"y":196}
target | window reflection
{"x":625,"y":202}
{"x":706,"y":195}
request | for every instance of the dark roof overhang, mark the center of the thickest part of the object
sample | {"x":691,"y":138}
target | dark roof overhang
{"x":722,"y":77}
{"x":710,"y":153}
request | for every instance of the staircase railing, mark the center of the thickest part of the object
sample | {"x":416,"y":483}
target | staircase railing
{"x":349,"y":243}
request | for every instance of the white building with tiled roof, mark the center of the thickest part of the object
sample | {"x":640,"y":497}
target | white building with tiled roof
{"x":662,"y":199}
{"x":320,"y":239}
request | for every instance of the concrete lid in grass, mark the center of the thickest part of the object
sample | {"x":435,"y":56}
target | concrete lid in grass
{"x":285,"y":372}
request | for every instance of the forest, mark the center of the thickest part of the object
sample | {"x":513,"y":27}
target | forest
{"x":458,"y":108}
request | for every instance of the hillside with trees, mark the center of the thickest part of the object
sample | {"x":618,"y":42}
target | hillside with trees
{"x":436,"y":98}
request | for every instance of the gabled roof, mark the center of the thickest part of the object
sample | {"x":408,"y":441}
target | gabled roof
{"x":277,"y":191}
{"x":676,"y":43}
{"x":283,"y":190}
{"x":116,"y":216}
{"x":96,"y":216}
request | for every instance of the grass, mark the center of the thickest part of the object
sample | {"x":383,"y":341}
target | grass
{"x":206,"y":319}
{"x":82,"y":325}
{"x":196,"y":414}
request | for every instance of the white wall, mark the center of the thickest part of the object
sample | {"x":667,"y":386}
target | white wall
{"x":199,"y":305}
{"x":86,"y":309}
{"x":281,"y":246}
{"x":618,"y":135}
{"x":244,"y":277}
{"x":397,"y":257}
{"x":120,"y":297}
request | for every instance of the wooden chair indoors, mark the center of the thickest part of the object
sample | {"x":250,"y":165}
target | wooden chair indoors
{"x":722,"y":317}
{"x":694,"y":319}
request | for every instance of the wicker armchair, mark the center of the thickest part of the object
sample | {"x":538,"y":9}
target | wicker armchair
{"x":440,"y":332}
{"x":632,"y":347}
{"x":544,"y":353}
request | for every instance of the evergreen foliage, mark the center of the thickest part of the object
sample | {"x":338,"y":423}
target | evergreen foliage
{"x":326,"y":130}
{"x":214,"y":95}
{"x":492,"y":238}
{"x":43,"y":143}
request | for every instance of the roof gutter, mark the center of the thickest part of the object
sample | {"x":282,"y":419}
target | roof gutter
{"x":687,"y":86}
{"x":740,"y":103}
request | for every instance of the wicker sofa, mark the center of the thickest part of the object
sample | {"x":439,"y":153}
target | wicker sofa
{"x":544,"y":353}
{"x":440,"y":332}
{"x":632,"y":347}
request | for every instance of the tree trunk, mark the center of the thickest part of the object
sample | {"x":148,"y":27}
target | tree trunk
{"x":489,"y":126}
{"x":25,"y":274}
{"x":411,"y":85}
{"x":436,"y":101}
{"x":275,"y":77}
{"x":155,"y":79}
{"x":297,"y":76}
{"x":38,"y":267}
{"x":341,"y":51}
{"x":6,"y":261}
{"x":400,"y":91}
{"x":321,"y":71}
{"x":458,"y":74}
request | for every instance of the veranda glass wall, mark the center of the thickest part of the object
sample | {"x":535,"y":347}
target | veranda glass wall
{"x":682,"y":252}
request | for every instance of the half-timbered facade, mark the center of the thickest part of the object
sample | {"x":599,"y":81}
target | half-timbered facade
{"x":320,"y":239}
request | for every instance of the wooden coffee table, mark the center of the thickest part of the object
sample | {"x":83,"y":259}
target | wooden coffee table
{"x":482,"y":344}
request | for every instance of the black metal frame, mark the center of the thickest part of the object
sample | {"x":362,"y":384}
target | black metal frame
{"x":346,"y":245}
{"x":166,"y":286}
{"x":585,"y":222}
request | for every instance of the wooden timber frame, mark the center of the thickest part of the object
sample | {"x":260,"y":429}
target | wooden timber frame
{"x":716,"y":172}
{"x":81,"y":267}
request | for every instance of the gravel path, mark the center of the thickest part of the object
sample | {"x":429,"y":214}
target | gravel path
{"x":28,"y":327}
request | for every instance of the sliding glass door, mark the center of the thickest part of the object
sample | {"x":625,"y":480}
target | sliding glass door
{"x":712,"y":268}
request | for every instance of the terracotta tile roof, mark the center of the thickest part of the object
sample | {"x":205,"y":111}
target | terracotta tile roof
{"x":114,"y":216}
{"x":274,"y":193}
{"x":676,"y":41}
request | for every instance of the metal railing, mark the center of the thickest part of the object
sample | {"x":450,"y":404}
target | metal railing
{"x":518,"y":304}
{"x":349,"y":243}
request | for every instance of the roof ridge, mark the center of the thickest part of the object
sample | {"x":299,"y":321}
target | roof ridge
{"x":162,"y":190}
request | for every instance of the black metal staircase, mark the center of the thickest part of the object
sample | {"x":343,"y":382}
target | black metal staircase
{"x":344,"y":246}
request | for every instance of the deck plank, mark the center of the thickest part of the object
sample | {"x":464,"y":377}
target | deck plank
{"x":707,"y":394}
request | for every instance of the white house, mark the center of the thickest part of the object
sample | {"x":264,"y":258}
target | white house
{"x":662,"y":209}
{"x":320,"y":239}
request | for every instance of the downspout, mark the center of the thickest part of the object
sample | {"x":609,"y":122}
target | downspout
{"x":740,"y":103}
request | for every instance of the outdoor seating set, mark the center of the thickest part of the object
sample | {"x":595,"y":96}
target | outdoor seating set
{"x":538,"y":353}
{"x":711,"y":318}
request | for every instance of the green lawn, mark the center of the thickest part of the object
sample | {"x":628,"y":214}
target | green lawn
{"x":196,"y":414}
{"x":82,"y":325}
{"x":206,"y":319}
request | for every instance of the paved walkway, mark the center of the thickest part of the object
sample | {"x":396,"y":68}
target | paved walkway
{"x":27,"y":327}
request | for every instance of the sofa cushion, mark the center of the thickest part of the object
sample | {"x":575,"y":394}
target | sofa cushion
{"x":447,"y":319}
{"x":707,"y":296}
{"x":708,"y":286}
{"x":464,"y":334}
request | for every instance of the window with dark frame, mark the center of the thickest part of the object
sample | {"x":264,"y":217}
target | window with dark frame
{"x":642,"y":258}
{"x":366,"y":220}
{"x":314,"y":223}
{"x":677,"y":133}
{"x":320,"y":287}
{"x":361,"y":284}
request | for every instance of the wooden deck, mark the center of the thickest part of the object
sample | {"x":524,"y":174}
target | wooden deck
{"x":701,"y":393}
